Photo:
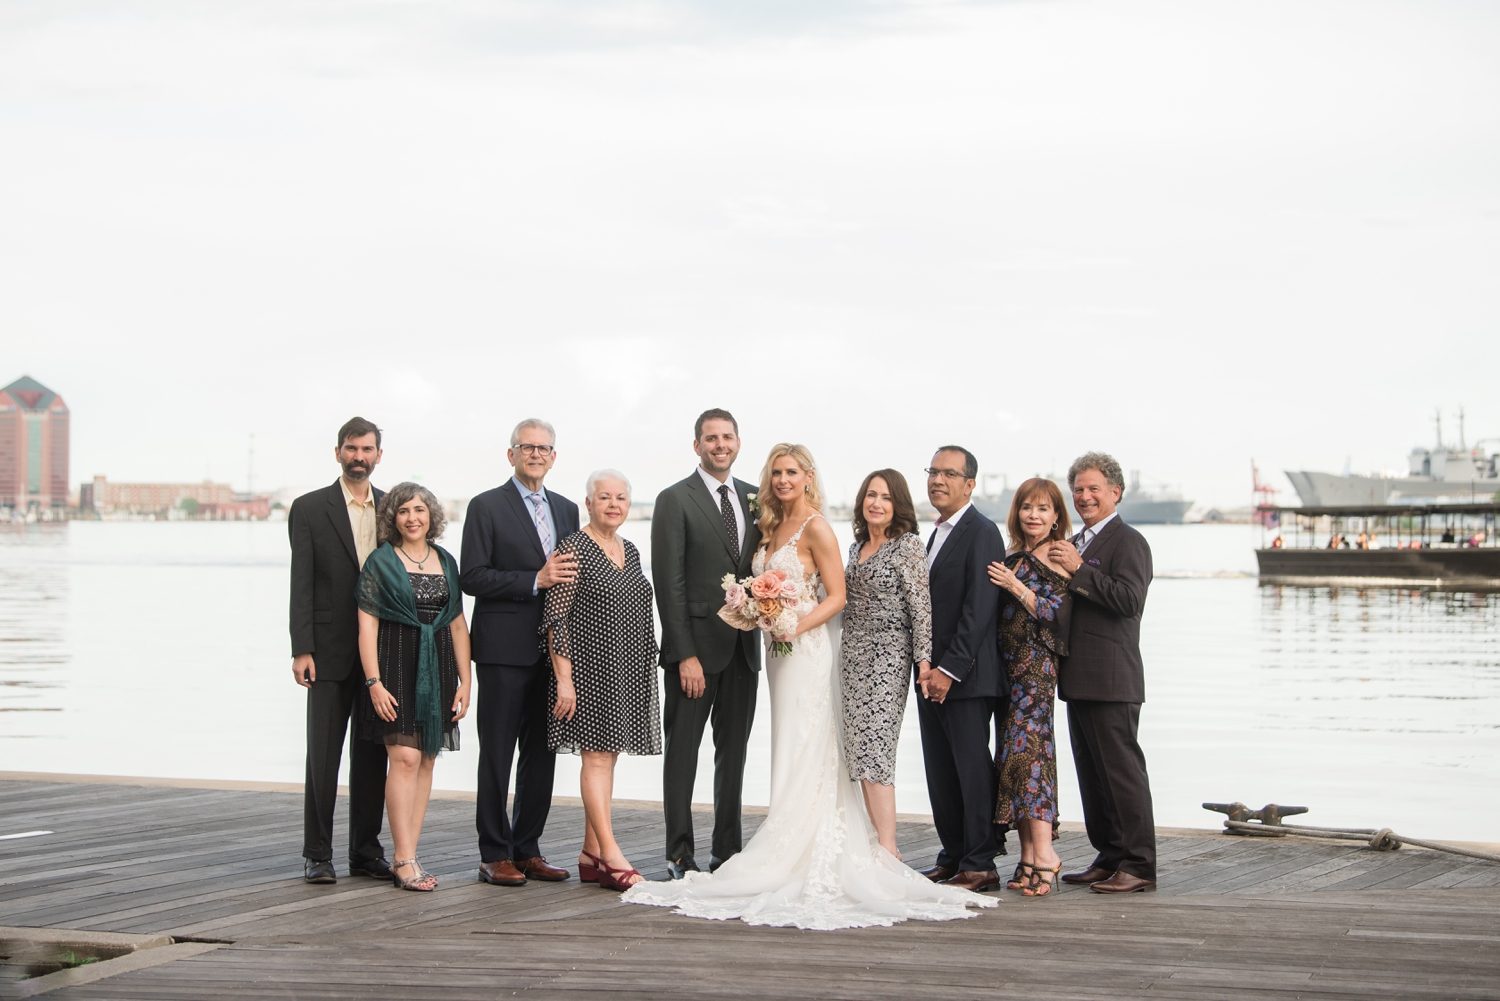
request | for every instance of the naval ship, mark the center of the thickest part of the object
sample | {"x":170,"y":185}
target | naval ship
{"x":1139,"y":505}
{"x":1453,"y":474}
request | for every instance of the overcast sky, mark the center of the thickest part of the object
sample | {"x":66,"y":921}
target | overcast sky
{"x":1188,"y":233}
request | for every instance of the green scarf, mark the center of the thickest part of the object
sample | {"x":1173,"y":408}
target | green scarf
{"x":385,"y":592}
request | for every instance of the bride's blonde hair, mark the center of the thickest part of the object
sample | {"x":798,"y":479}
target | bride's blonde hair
{"x":771,"y":513}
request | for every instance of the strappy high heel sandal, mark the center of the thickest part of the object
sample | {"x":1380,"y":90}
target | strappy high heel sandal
{"x":1041,"y":886}
{"x":422,"y":882}
{"x":611,"y":878}
{"x":1019,"y":879}
{"x":589,"y":873}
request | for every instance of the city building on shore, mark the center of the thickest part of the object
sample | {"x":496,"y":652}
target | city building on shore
{"x":33,"y":449}
{"x":207,"y":500}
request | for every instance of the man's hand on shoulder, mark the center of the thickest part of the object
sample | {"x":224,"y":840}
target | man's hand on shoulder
{"x":1064,"y":555}
{"x":560,"y":568}
{"x":303,"y":670}
{"x":691,"y":673}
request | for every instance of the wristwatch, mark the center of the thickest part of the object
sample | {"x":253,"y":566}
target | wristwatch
{"x":371,"y":682}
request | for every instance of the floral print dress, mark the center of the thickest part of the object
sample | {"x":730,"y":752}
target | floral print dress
{"x":1030,"y":648}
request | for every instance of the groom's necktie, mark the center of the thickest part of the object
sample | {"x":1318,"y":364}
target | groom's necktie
{"x":730,"y":524}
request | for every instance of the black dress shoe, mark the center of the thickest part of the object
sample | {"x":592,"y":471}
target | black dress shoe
{"x":319,"y":871}
{"x":714,"y":862}
{"x":939,"y":873}
{"x":682,"y":867}
{"x":375,"y":868}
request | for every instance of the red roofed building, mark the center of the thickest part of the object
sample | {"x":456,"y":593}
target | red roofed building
{"x":33,"y":446}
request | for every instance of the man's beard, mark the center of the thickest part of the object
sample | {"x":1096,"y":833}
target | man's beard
{"x":356,"y":470}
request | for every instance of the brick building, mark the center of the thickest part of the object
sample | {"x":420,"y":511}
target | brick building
{"x":33,"y":447}
{"x":152,"y":498}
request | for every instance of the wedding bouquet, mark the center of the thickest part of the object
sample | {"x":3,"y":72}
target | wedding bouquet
{"x":771,"y":602}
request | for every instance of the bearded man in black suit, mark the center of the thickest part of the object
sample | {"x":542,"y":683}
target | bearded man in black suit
{"x":1103,"y":679}
{"x":701,"y":529}
{"x":332,"y":533}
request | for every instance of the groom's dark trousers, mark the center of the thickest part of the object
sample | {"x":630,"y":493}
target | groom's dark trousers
{"x":502,"y":553}
{"x":955,"y":734}
{"x":325,"y":623}
{"x":691,"y":551}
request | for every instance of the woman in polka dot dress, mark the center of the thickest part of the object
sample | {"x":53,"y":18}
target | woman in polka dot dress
{"x":604,"y":687}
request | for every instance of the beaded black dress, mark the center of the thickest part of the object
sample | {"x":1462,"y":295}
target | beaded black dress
{"x":601,"y":621}
{"x":396,"y":650}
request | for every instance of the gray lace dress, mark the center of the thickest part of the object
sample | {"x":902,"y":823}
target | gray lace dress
{"x":887,"y":629}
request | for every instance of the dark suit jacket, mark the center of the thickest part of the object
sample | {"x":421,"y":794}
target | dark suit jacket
{"x":965,"y":608}
{"x":325,"y":577}
{"x":498,"y":566}
{"x":1104,"y":640}
{"x":690,"y":554}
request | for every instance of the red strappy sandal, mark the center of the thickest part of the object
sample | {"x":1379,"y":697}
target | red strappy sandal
{"x":589,"y":873}
{"x":610,"y":877}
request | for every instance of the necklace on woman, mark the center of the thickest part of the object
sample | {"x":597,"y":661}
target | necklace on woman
{"x":411,"y":559}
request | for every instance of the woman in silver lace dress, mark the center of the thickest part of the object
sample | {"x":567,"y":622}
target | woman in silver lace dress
{"x":887,"y":628}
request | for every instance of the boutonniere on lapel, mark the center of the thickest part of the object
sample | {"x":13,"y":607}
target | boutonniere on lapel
{"x":752,"y":507}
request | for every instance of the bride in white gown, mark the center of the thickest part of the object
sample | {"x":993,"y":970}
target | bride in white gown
{"x":816,"y":862}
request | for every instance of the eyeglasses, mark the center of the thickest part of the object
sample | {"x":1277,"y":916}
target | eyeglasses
{"x":951,"y":474}
{"x":542,"y":450}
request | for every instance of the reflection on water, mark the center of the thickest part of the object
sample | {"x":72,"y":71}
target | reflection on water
{"x":161,"y":649}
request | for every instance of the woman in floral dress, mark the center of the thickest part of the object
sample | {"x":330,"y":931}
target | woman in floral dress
{"x":1034,"y":616}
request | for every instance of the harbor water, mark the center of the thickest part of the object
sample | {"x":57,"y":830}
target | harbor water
{"x":160,"y":648}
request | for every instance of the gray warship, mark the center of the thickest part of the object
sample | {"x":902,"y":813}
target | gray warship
{"x":1139,"y":505}
{"x":1443,"y":474}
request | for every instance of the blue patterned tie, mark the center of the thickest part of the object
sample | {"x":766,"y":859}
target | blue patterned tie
{"x":537,"y":500}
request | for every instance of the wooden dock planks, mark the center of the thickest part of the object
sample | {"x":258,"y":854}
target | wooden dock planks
{"x":1233,"y":917}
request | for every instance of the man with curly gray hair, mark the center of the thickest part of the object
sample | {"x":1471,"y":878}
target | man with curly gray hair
{"x":1103,"y":679}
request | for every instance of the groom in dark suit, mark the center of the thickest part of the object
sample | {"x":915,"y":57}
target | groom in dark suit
{"x":959,"y":692}
{"x":509,"y":561}
{"x":703,"y":528}
{"x":332,"y":532}
{"x":1104,"y":682}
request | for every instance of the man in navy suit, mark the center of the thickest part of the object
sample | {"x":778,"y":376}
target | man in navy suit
{"x":958,"y":693}
{"x":509,"y":560}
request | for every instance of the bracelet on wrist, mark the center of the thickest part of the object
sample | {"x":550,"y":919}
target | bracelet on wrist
{"x":371,"y":682}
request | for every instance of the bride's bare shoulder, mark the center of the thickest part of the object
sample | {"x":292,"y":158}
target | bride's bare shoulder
{"x":818,"y":530}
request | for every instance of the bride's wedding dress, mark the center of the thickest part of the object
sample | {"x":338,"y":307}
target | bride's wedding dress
{"x":816,"y":862}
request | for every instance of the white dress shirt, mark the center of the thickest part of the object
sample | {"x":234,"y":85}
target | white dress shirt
{"x":940,"y":536}
{"x":734,"y":500}
{"x":941,"y":533}
{"x":1089,"y":534}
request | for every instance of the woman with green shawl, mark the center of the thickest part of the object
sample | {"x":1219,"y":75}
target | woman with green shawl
{"x":414,"y":645}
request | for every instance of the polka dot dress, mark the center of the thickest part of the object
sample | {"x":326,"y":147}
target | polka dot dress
{"x":602,"y":622}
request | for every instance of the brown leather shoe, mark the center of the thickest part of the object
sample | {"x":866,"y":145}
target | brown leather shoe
{"x":939,"y":873}
{"x":502,"y":873}
{"x":1123,"y":882}
{"x":975,"y":880}
{"x":536,"y":867}
{"x":1092,"y":874}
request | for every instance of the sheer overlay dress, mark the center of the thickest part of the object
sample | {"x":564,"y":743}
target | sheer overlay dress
{"x":1029,"y":651}
{"x":397,"y":647}
{"x":601,"y":621}
{"x":887,"y":628}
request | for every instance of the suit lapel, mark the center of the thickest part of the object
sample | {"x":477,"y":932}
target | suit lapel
{"x":518,"y":508}
{"x":950,"y":545}
{"x":1099,"y":540}
{"x":710,"y":508}
{"x":338,"y":513}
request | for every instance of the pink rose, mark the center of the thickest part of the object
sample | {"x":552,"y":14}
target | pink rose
{"x":734,"y":597}
{"x":790,"y":588}
{"x":768,"y":584}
